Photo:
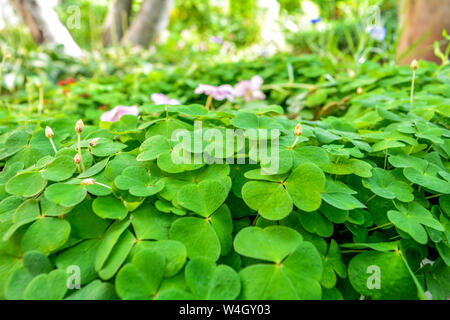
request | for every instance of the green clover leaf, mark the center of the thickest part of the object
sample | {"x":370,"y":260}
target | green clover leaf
{"x":411,"y":220}
{"x":141,"y":278}
{"x":273,"y":243}
{"x":26,"y":184}
{"x":381,"y":275}
{"x":297,"y":277}
{"x":210,"y":282}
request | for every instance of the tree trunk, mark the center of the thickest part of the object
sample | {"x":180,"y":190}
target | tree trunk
{"x":117,"y":20}
{"x":152,"y":18}
{"x":45,"y":26}
{"x":421,"y":18}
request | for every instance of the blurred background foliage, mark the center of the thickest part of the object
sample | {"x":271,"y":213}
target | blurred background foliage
{"x":239,"y":23}
{"x":346,"y":33}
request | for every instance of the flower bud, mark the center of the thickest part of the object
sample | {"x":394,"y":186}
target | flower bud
{"x":93,"y":142}
{"x":359,"y":90}
{"x":79,"y":126}
{"x":351,"y":74}
{"x":414,"y":65}
{"x":48,"y":132}
{"x":77,"y":159}
{"x":298,"y":130}
{"x":87,"y":182}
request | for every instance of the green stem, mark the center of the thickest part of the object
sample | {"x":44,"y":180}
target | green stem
{"x":412,"y":147}
{"x":352,"y":251}
{"x":79,"y":151}
{"x":434,"y":196}
{"x":254,"y":220}
{"x":103,"y":185}
{"x":395,"y":205}
{"x":295,"y":142}
{"x":53,"y":145}
{"x":208,"y":102}
{"x":412,"y":90}
{"x":380,"y":226}
{"x":373,"y":196}
{"x":420,"y":292}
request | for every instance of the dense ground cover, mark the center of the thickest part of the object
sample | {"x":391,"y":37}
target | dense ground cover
{"x":361,"y":190}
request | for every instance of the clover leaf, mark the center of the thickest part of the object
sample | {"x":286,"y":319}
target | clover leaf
{"x":66,"y":194}
{"x":26,"y":184}
{"x":109,"y":208}
{"x":61,"y":168}
{"x":95,"y":290}
{"x":381,"y":275}
{"x":273,"y":243}
{"x":46,"y":235}
{"x":140,"y":279}
{"x":340,"y":195}
{"x":274,"y":200}
{"x":51,"y":286}
{"x":411,"y":220}
{"x":106,"y":147}
{"x":174,"y":252}
{"x":26,"y":212}
{"x":385,"y":184}
{"x":200,"y":199}
{"x":297,"y":277}
{"x":138,"y":182}
{"x":198,"y":236}
{"x":81,"y":255}
{"x":149,"y":223}
{"x":117,"y":256}
{"x":349,"y":166}
{"x":165,"y":151}
{"x":210,"y":282}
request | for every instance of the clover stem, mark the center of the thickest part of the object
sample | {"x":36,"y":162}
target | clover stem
{"x":385,"y":158}
{"x":103,"y":185}
{"x":79,"y":150}
{"x":412,"y":90}
{"x":208,"y":102}
{"x":167,"y":111}
{"x":254,"y":220}
{"x":434,"y":196}
{"x":53,"y":145}
{"x":395,"y":205}
{"x":380,"y":226}
{"x":353,"y":251}
{"x":295,"y":142}
{"x":412,"y":147}
{"x":420,"y":292}
{"x":373,"y":196}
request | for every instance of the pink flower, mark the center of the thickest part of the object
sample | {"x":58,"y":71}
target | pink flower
{"x":249,"y":89}
{"x":220,"y":93}
{"x":159,"y":98}
{"x":116,"y":113}
{"x":216,"y":39}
